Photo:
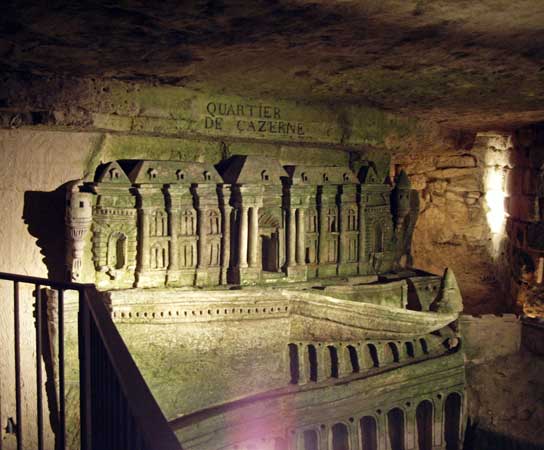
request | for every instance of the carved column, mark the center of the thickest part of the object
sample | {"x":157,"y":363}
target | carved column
{"x":242,"y":237}
{"x":439,"y":425}
{"x":292,"y":238}
{"x":322,"y":235}
{"x":254,"y":237}
{"x":225,"y":257}
{"x":301,"y":247}
{"x":202,"y":237}
{"x":174,"y":248}
{"x":173,"y":217}
{"x":410,"y":428}
{"x":362,"y":232}
{"x":144,"y":239}
{"x":342,"y":244}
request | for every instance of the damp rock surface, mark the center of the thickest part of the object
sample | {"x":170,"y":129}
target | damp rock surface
{"x":467,"y":65}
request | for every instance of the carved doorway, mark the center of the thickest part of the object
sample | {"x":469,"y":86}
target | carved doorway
{"x":270,"y":252}
{"x":270,"y":231}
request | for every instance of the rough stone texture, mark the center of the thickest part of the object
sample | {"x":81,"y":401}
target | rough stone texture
{"x":453,"y":228}
{"x":505,"y":403}
{"x":489,"y":337}
{"x":523,"y":250}
{"x":469,"y":65}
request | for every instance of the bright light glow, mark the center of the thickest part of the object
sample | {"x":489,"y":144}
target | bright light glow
{"x":494,"y":196}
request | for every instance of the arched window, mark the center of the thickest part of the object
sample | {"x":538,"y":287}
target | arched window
{"x":152,"y":173}
{"x":187,"y":222}
{"x":325,"y":178}
{"x":424,"y":347}
{"x":353,"y":358}
{"x":395,"y":426}
{"x":294,"y":363}
{"x":311,"y":441}
{"x":424,"y":419}
{"x":369,"y":433}
{"x":333,"y":356}
{"x":180,"y":175}
{"x":312,"y":359}
{"x":264,"y":175}
{"x":159,"y":224}
{"x":351,"y":219}
{"x":340,"y":437}
{"x":410,"y":349}
{"x":213,"y":222}
{"x":188,"y":255}
{"x":114,"y":173}
{"x":372,"y":354}
{"x":311,"y":220}
{"x":392,"y":352}
{"x":159,"y":257}
{"x":117,"y":251}
{"x":452,"y":421}
{"x":332,"y":221}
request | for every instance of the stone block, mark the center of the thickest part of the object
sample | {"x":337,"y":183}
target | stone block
{"x":465,"y":183}
{"x":454,"y":172}
{"x":489,"y":337}
{"x":419,"y":182}
{"x":112,"y":122}
{"x":437,"y":186}
{"x":457,"y":161}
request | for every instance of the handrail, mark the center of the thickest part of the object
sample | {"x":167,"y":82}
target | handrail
{"x":117,"y":409}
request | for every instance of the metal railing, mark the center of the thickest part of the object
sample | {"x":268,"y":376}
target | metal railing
{"x":117,"y":409}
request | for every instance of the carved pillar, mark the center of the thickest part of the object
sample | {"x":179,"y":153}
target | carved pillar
{"x":144,"y":239}
{"x":292,"y":238}
{"x":254,"y":237}
{"x":362,"y":231}
{"x":382,"y":434}
{"x":322,"y":235}
{"x":342,"y":244}
{"x":242,"y":237}
{"x":439,"y":425}
{"x":225,"y":256}
{"x":324,"y":437}
{"x":355,"y":442}
{"x":202,"y":237}
{"x":174,"y":248}
{"x":301,"y":238}
{"x":410,"y":432}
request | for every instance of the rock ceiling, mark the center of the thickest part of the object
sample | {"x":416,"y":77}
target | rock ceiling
{"x":465,"y":64}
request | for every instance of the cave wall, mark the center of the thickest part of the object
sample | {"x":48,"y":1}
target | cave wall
{"x":523,"y":253}
{"x":453,"y":228}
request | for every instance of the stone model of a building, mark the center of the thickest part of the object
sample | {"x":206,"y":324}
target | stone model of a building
{"x":250,"y":220}
{"x":341,"y":346}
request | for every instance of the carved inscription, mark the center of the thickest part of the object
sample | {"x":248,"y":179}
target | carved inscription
{"x":250,"y":118}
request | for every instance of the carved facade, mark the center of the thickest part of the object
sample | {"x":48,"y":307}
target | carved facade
{"x":248,"y":220}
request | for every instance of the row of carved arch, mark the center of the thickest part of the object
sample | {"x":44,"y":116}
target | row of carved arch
{"x":312,"y":362}
{"x":159,"y":224}
{"x":435,"y":424}
{"x":428,"y":424}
